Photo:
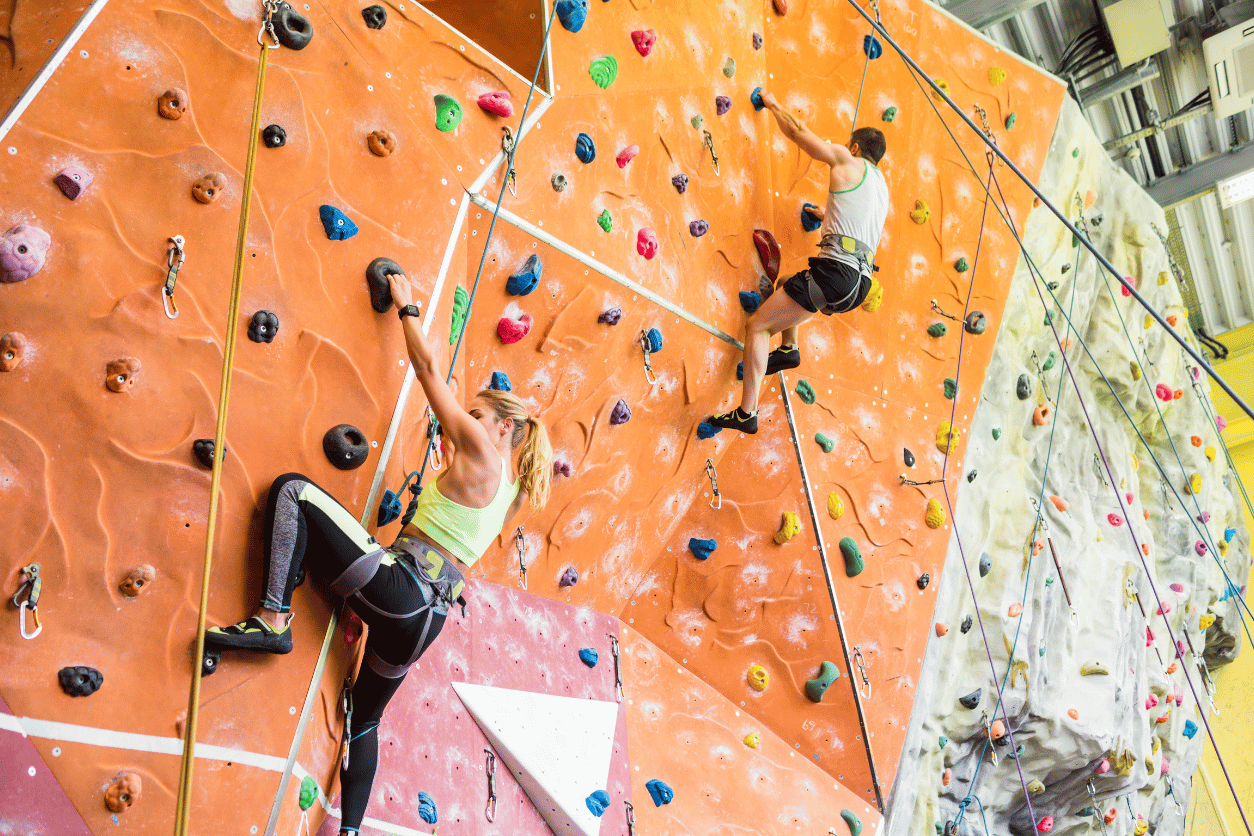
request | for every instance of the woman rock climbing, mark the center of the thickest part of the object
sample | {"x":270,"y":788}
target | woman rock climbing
{"x":404,"y":591}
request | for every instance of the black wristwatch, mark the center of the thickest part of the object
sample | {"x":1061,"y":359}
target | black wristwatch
{"x":409,"y":310}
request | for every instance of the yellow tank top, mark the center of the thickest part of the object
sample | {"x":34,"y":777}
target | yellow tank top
{"x":464,"y":532}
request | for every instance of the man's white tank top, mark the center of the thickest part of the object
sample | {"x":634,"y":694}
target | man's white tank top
{"x":858,"y":213}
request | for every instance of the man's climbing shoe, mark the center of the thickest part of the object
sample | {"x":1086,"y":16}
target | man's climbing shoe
{"x":251,"y":634}
{"x":737,"y":419}
{"x":783,"y":358}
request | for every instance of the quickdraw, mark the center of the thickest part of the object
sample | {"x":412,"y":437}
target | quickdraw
{"x":937,"y":309}
{"x":1101,"y":471}
{"x":269,"y":7}
{"x":648,"y":367}
{"x":31,"y":585}
{"x":709,"y":143}
{"x":717,"y":502}
{"x":346,"y":708}
{"x":175,"y":256}
{"x":434,"y":440}
{"x":490,"y":810}
{"x":618,"y":668}
{"x":507,"y":146}
{"x":858,"y":659}
{"x":1097,"y":807}
{"x":631,"y":818}
{"x":521,"y":545}
{"x":988,"y":733}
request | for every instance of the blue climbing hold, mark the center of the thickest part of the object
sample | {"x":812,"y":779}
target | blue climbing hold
{"x":389,"y":508}
{"x":572,"y":14}
{"x":1229,"y":533}
{"x":750,"y":300}
{"x":661,"y":793}
{"x":500,"y":382}
{"x":426,"y":808}
{"x":872,"y":48}
{"x":654,"y":338}
{"x":527,"y":277}
{"x":585,"y":148}
{"x":597,"y":802}
{"x":705,"y":430}
{"x":808,"y":222}
{"x":336,"y":223}
{"x":740,"y":370}
{"x":588,"y":656}
{"x":1190,"y":729}
{"x":755,"y":98}
{"x":701,"y":549}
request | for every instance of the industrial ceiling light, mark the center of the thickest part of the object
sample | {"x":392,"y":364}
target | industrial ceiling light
{"x":1236,"y":189}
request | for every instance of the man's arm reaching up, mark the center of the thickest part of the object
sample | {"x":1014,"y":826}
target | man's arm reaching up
{"x":796,"y":130}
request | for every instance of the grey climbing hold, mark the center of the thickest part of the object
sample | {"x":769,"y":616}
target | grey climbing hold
{"x":274,"y":136}
{"x":621,"y":413}
{"x":611,"y":316}
{"x":500,"y":382}
{"x":659,"y":792}
{"x":923,"y":580}
{"x":598,"y":802}
{"x":1023,"y":387}
{"x":971,"y":476}
{"x":701,"y":549}
{"x":680,"y":182}
{"x":80,"y":680}
{"x":526,"y":278}
{"x":570,"y":577}
{"x":907,"y":456}
{"x":345,"y":446}
{"x":558,"y":181}
{"x":292,"y":29}
{"x":986,"y":564}
{"x":853,"y":556}
{"x":815,"y":688}
{"x":970,"y":700}
{"x":698,"y":228}
{"x":203,"y":450}
{"x":966,"y":624}
{"x":585,"y":148}
{"x":976,"y":322}
{"x":263,"y":327}
{"x":377,"y":283}
{"x":375,"y":16}
{"x":722,"y":104}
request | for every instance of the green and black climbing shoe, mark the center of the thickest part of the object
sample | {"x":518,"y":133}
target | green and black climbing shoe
{"x":737,"y":419}
{"x":783,"y":358}
{"x":251,"y":634}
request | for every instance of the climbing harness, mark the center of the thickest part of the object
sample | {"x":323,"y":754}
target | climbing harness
{"x":507,"y":146}
{"x":521,"y":546}
{"x":618,"y":668}
{"x":490,"y":810}
{"x":31,"y":586}
{"x":648,"y":367}
{"x":174,"y":261}
{"x":864,"y":688}
{"x":717,"y":502}
{"x":631,"y":818}
{"x":709,"y":143}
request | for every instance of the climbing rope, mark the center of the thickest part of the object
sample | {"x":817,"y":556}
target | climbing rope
{"x":182,"y":811}
{"x":871,"y":49}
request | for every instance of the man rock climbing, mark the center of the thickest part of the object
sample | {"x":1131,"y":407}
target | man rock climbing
{"x":838,"y":278}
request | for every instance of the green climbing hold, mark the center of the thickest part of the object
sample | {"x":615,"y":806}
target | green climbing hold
{"x":448,"y":113}
{"x":1010,"y":121}
{"x":308,"y":792}
{"x":1050,"y":361}
{"x":826,"y":443}
{"x":1085,"y":812}
{"x":1075,"y":152}
{"x":604,"y":219}
{"x":1048,"y":319}
{"x":697,"y":122}
{"x":853,"y":556}
{"x":942,"y":741}
{"x":805,"y":391}
{"x":1040,"y":651}
{"x":961,"y":265}
{"x":603,"y":70}
{"x":855,"y":823}
{"x":461,"y":304}
{"x":815,"y":688}
{"x":937,"y":329}
{"x":729,"y":67}
{"x":951,"y":388}
{"x":889,"y":114}
{"x":996,"y":433}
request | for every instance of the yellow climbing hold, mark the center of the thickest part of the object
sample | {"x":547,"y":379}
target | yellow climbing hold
{"x":1141,"y":827}
{"x":835,"y":506}
{"x":874,"y":296}
{"x":1223,"y":547}
{"x":1207,"y":619}
{"x":753,"y":740}
{"x":1162,"y":277}
{"x":1149,"y":321}
{"x":1035,"y":786}
{"x":946,"y":437}
{"x":921,"y":212}
{"x":1210,"y":454}
{"x":996,"y":75}
{"x":1195,"y":484}
{"x":935,"y":514}
{"x":944,"y":86}
{"x":1136,"y":463}
{"x":758,"y":678}
{"x":788,"y":528}
{"x":1136,"y":370}
{"x":1094,"y":668}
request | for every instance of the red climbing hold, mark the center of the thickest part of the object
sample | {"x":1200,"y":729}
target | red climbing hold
{"x":1114,"y":519}
{"x":644,"y":39}
{"x":768,"y":251}
{"x":781,"y":7}
{"x":511,"y":330}
{"x":627,"y":155}
{"x":497,"y":102}
{"x":646,"y":243}
{"x":1163,"y":391}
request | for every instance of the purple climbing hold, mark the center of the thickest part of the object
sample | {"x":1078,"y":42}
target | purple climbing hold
{"x":569,"y":578}
{"x":722,"y":104}
{"x":23,"y":250}
{"x":750,"y":300}
{"x":610,"y":317}
{"x":698,"y":228}
{"x":73,"y":180}
{"x":680,"y":182}
{"x":757,"y":41}
{"x":561,"y":467}
{"x":707,"y":430}
{"x":621,"y":413}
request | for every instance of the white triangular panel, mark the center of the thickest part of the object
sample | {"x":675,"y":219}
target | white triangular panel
{"x":557,"y":748}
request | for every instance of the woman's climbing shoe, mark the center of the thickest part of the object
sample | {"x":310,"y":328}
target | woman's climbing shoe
{"x":737,"y":419}
{"x":783,"y":358}
{"x":251,"y":634}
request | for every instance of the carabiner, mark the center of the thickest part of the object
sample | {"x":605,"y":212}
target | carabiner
{"x":434,"y":436}
{"x":490,"y":810}
{"x":618,"y":671}
{"x":865,"y":688}
{"x":346,"y":706}
{"x":507,"y":145}
{"x":32,"y":585}
{"x":521,"y":545}
{"x":648,"y":367}
{"x":717,"y":502}
{"x":268,"y":7}
{"x":175,"y":256}
{"x":631,"y":818}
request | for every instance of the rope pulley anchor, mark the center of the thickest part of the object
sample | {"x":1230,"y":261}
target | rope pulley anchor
{"x":648,"y":367}
{"x":31,"y":586}
{"x":709,"y":143}
{"x":618,"y":668}
{"x":175,"y":256}
{"x":521,"y":545}
{"x":858,"y":659}
{"x":507,"y":146}
{"x":717,"y":502}
{"x":490,"y":811}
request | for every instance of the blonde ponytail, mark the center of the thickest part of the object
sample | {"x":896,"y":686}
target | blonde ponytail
{"x":535,"y":462}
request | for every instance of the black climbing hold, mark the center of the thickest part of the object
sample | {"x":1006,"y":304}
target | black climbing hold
{"x":924,"y":580}
{"x":986,"y":564}
{"x":375,"y":16}
{"x":345,"y":446}
{"x":80,"y":680}
{"x":971,"y":476}
{"x":274,"y":136}
{"x":209,"y":662}
{"x":263,"y":327}
{"x":377,"y":281}
{"x":293,"y":29}
{"x":907,"y":456}
{"x":1023,"y":388}
{"x":680,"y":182}
{"x":971,"y":700}
{"x":976,"y":322}
{"x":203,"y":449}
{"x":966,"y":624}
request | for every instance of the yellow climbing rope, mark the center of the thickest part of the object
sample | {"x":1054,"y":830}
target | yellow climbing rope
{"x":182,"y":809}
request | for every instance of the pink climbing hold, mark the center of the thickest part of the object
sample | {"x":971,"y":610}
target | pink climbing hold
{"x":1163,"y":391}
{"x":497,"y":102}
{"x":1124,"y":288}
{"x":1149,"y":637}
{"x":512,"y":330}
{"x":1166,"y":767}
{"x":646,"y":243}
{"x":644,"y":39}
{"x":1200,"y":548}
{"x":23,"y":250}
{"x":1164,"y":609}
{"x":627,"y":155}
{"x":1204,"y":517}
{"x":1102,"y":767}
{"x":1151,"y":702}
{"x":1046,"y":824}
{"x":561,"y":467}
{"x":1177,"y":588}
{"x":1178,"y":693}
{"x":1221,"y":422}
{"x":1114,"y":519}
{"x":73,"y":180}
{"x":1128,"y":496}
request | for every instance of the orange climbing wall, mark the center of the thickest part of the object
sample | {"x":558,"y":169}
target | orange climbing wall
{"x":101,"y":482}
{"x":29,"y":34}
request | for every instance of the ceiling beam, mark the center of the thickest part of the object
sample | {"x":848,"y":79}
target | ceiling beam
{"x":1196,"y":180}
{"x":1125,"y":79}
{"x":981,"y":14}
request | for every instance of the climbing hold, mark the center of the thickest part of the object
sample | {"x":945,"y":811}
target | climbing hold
{"x":874,"y":296}
{"x":937,"y":329}
{"x":768,"y":252}
{"x":1190,"y":729}
{"x":950,"y":388}
{"x":448,"y":112}
{"x":1229,"y":533}
{"x":781,"y":7}
{"x":345,"y":446}
{"x":273,"y":136}
{"x":375,"y":16}
{"x":835,"y":506}
{"x":1040,"y":415}
{"x":961,"y":265}
{"x":680,"y":182}
{"x":120,"y":374}
{"x":644,"y":39}
{"x":73,"y":181}
{"x":653,"y":337}
{"x":204,"y":451}
{"x":561,"y":467}
{"x":172,"y":104}
{"x":558,"y":181}
{"x":610,"y":316}
{"x":500,"y":382}
{"x":1221,"y":422}
{"x":1046,"y":824}
{"x":853,"y":557}
{"x":946,"y":437}
{"x":1023,"y":388}
{"x":376,"y":282}
{"x":1035,"y":786}
{"x":946,"y":777}
{"x":1163,"y":391}
{"x":935,"y":515}
{"x":646,"y":243}
{"x":426,"y":808}
{"x":496,"y":102}
{"x":605,"y":220}
{"x":1195,"y":484}
{"x":603,"y":71}
{"x":756,"y":41}
{"x":1014,"y":610}
{"x":805,"y":391}
{"x":1049,"y":361}
{"x":755,"y":99}
{"x":753,"y":740}
{"x":1114,"y":519}
{"x":1059,"y":503}
{"x":758,"y":678}
{"x":750,"y":300}
{"x":966,"y":624}
{"x":588,"y":656}
{"x":970,"y":700}
{"x":944,"y":88}
{"x":942,"y":629}
{"x":996,"y":75}
{"x":809,"y":222}
{"x":921,"y":212}
{"x":308,"y":792}
{"x":263,"y":327}
{"x":871,"y":47}
{"x":942,"y":741}
{"x":570,"y":577}
{"x":701,"y":549}
{"x":729,"y":67}
{"x":525,"y":279}
{"x":889,"y":114}
{"x":137,"y":581}
{"x":996,"y":433}
{"x":12,"y":351}
{"x":698,"y":228}
{"x":1102,"y":767}
{"x":722,"y":104}
{"x":975,"y":323}
{"x":621,"y":413}
{"x":855,"y":823}
{"x":291,"y":28}
{"x":208,"y":188}
{"x":572,"y":14}
{"x":337,"y":225}
{"x":923,"y":580}
{"x":461,"y":305}
{"x":123,"y":791}
{"x":381,"y":143}
{"x":1094,"y":668}
{"x":1200,"y":548}
{"x":597,"y":802}
{"x":788,"y":528}
{"x":997,"y":730}
{"x":696,"y":122}
{"x":1195,"y":440}
{"x":1011,"y":119}
{"x":659,"y":792}
{"x":823,"y":441}
{"x":627,"y":155}
{"x":511,"y":330}
{"x":80,"y":680}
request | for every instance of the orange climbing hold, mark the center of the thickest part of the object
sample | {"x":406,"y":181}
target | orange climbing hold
{"x":781,"y":7}
{"x":1059,"y":503}
{"x":1089,"y":198}
{"x":1037,"y":545}
{"x":1040,"y":415}
{"x":1073,"y":714}
{"x":1016,"y":609}
{"x":1196,"y":440}
{"x":1171,"y":320}
{"x":941,"y":628}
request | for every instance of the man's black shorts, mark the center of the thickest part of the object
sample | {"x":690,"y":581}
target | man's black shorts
{"x":844,"y":287}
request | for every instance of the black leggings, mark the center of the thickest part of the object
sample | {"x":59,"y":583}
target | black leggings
{"x":306,"y":526}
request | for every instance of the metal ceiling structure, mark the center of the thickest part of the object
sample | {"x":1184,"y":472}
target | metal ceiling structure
{"x":1156,"y":118}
